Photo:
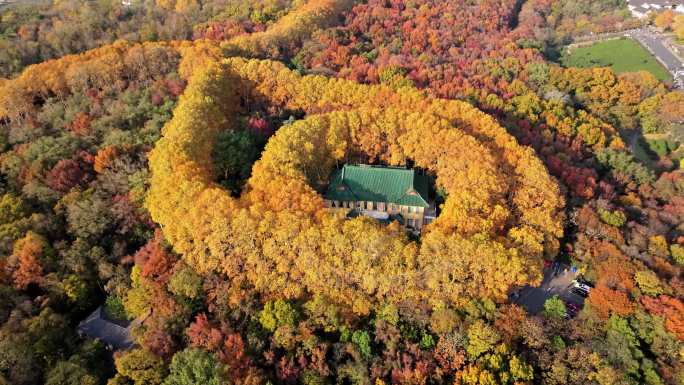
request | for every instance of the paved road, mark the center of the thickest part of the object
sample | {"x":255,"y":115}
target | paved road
{"x":557,"y":281}
{"x":654,"y":43}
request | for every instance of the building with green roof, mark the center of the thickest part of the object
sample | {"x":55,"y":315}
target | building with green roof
{"x":381,"y":192}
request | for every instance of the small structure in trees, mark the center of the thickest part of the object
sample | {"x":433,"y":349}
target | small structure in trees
{"x":383,"y":193}
{"x":116,"y":334}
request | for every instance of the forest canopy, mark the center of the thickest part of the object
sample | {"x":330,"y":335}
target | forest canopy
{"x":162,"y":165}
{"x":301,"y":156}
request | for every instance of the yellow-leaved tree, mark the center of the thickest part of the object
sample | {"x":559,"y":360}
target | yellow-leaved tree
{"x":503,"y":211}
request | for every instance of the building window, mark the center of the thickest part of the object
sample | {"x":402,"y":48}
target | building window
{"x":381,"y":206}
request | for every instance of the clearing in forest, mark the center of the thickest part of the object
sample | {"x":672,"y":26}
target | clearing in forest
{"x":621,"y":55}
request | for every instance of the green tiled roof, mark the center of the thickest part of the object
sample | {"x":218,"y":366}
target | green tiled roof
{"x":379,"y":184}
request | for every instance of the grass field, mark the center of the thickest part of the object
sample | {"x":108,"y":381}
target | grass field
{"x":622,"y":55}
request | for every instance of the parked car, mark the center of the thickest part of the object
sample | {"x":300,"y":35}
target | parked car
{"x":581,"y":286}
{"x":580,"y":292}
{"x":582,"y":280}
{"x":572,"y":307}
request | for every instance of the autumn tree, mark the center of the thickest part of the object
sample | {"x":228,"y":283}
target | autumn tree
{"x":227,"y":344}
{"x":671,"y":309}
{"x":608,"y":301}
{"x":665,"y":19}
{"x":66,"y":174}
{"x":481,"y":339}
{"x":185,"y":282}
{"x":301,"y":156}
{"x":554,"y":308}
{"x":194,"y":366}
{"x":678,"y":26}
{"x":27,"y":260}
{"x":14,"y":220}
{"x":141,"y":367}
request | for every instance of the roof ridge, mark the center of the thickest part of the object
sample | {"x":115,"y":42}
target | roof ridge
{"x":418,"y":194}
{"x":380,"y":167}
{"x":348,"y":187}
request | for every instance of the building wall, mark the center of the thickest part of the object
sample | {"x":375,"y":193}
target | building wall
{"x":414,"y":216}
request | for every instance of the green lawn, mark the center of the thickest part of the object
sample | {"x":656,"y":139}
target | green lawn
{"x":622,"y":55}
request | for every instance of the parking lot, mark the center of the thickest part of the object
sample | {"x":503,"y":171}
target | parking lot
{"x":557,"y":281}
